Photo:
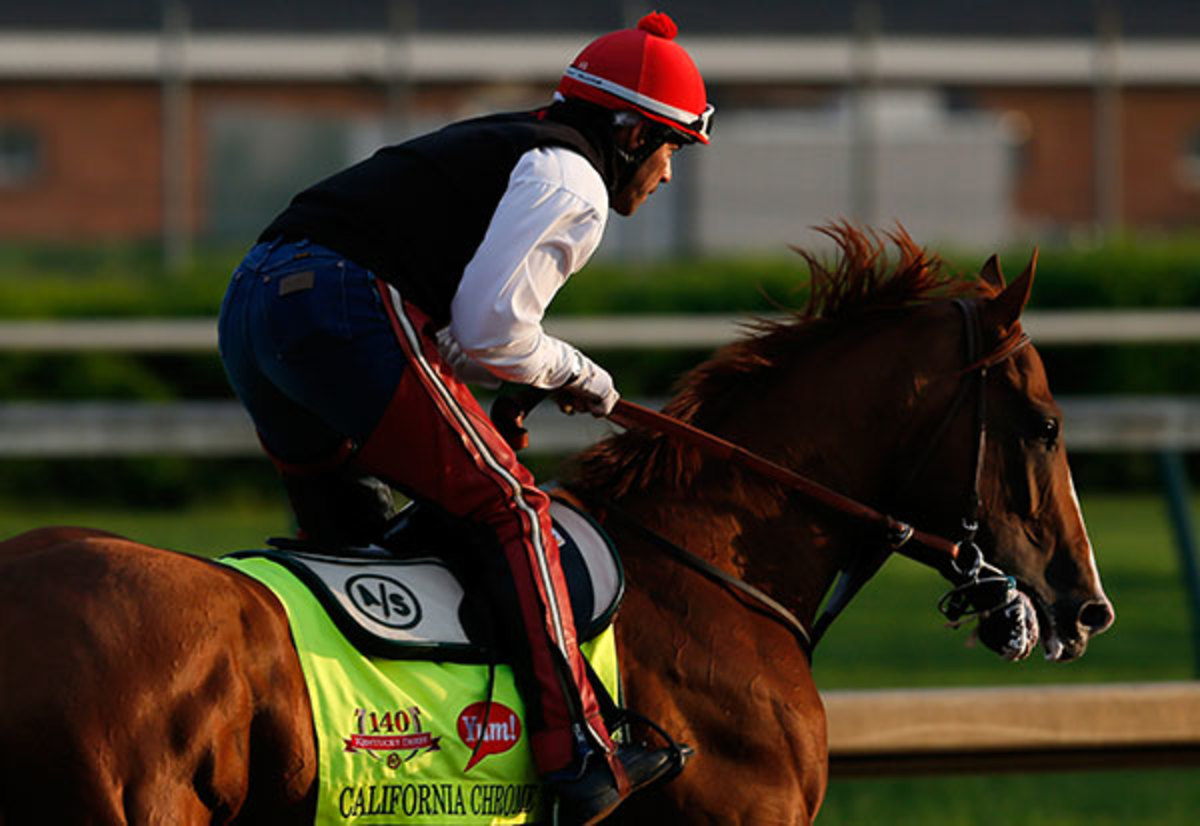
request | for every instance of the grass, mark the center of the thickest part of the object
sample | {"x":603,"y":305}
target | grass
{"x":206,"y":530}
{"x":891,"y":637}
{"x":1164,"y":797}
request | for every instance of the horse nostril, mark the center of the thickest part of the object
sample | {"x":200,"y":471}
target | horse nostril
{"x":1096,"y":616}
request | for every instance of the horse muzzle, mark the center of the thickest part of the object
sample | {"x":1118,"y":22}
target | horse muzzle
{"x":1069,"y":624}
{"x":1064,"y":628}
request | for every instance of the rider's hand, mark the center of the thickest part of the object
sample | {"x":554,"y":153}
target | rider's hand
{"x":508,"y":416}
{"x":592,"y":389}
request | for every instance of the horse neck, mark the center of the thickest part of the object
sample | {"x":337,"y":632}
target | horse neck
{"x":824,"y":414}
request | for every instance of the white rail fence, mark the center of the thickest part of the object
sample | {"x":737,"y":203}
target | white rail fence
{"x":1070,"y":327}
{"x":218,"y":428}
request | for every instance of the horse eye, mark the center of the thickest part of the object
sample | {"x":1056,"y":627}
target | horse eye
{"x":1047,"y":430}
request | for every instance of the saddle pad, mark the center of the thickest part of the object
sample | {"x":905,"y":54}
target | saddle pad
{"x":417,"y":608}
{"x":397,"y":738}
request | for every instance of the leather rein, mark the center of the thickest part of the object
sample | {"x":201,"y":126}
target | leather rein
{"x":958,"y":560}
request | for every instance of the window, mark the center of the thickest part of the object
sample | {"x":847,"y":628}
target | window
{"x":1188,"y":165}
{"x":20,"y":154}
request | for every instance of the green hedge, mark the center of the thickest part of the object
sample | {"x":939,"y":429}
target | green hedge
{"x":108,"y":281}
{"x":118,"y":280}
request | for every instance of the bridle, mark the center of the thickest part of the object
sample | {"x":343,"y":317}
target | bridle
{"x":976,"y":372}
{"x":979,"y":586}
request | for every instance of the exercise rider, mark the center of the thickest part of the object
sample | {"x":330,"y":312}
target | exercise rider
{"x":351,"y":329}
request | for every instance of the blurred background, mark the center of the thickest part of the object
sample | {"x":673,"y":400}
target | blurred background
{"x":144,"y":144}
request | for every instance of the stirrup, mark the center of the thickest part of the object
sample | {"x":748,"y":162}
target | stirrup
{"x":680,"y":752}
{"x":595,"y":793}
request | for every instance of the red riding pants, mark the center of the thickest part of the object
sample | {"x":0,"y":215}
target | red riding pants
{"x":435,"y":441}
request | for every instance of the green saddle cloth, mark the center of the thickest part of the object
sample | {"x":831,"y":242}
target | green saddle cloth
{"x":399,"y":740}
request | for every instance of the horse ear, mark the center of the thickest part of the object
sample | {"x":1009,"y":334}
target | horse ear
{"x":991,"y":273}
{"x":1005,"y":308}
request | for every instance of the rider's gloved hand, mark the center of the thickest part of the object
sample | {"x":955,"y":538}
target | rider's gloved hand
{"x":591,"y":389}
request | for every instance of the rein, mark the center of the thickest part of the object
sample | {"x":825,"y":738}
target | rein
{"x":628,"y":414}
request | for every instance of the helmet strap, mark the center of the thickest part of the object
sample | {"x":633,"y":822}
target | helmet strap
{"x":654,"y":135}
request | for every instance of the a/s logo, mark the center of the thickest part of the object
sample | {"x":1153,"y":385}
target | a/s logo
{"x":385,"y":600}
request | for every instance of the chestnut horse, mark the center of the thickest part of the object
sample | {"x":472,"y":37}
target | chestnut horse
{"x":144,"y":686}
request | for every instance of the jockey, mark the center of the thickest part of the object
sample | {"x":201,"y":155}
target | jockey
{"x":351,"y":329}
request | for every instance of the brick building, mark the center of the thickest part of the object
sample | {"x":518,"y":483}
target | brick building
{"x":134,"y":118}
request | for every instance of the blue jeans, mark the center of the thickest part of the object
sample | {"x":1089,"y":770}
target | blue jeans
{"x":308,"y":349}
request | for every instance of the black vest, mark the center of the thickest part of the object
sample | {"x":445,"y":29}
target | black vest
{"x":415,"y":213}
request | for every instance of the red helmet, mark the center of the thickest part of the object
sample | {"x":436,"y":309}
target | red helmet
{"x":646,"y":70}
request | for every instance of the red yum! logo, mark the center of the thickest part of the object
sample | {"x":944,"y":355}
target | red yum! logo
{"x":499,"y":732}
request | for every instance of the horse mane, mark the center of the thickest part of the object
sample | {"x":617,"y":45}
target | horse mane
{"x":861,"y":282}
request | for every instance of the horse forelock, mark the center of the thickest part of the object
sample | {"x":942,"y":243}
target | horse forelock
{"x":860,"y":282}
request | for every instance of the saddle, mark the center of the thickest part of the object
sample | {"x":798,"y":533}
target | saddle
{"x":417,"y":594}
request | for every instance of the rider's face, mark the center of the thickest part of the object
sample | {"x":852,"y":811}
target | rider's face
{"x":655,"y":170}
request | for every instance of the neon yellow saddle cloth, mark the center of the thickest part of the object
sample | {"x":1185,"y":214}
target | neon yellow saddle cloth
{"x":407,"y":741}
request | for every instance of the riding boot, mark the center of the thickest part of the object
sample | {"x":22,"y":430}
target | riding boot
{"x":339,"y":508}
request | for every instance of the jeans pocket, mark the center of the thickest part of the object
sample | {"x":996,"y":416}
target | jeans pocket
{"x":308,"y":308}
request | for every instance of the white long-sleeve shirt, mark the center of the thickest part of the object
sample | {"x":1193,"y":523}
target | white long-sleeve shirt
{"x":547,"y":225}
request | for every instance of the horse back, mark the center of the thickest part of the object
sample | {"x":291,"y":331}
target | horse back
{"x":143,"y":685}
